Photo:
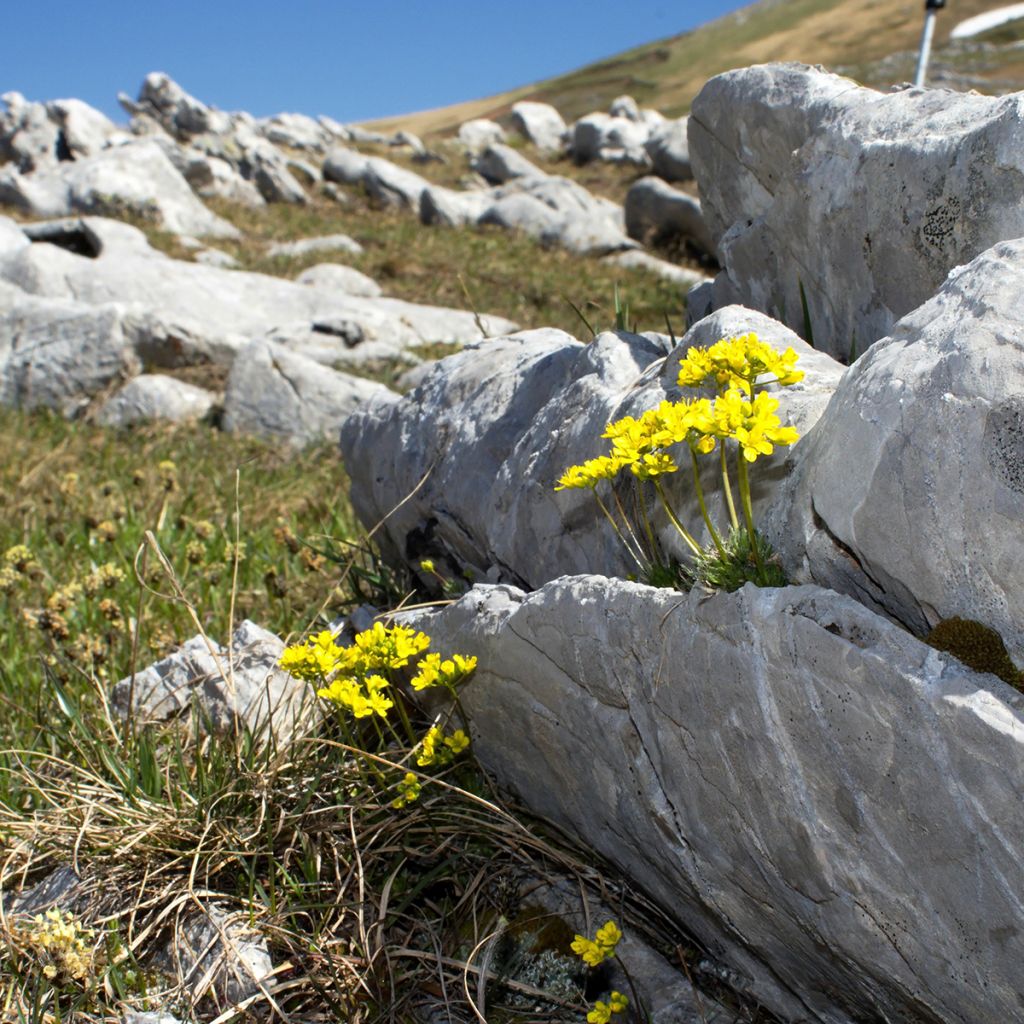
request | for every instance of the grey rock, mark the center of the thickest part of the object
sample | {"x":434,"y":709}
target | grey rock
{"x":909,"y":493}
{"x":658,"y":214}
{"x":175,"y":110}
{"x":275,"y":393}
{"x":58,"y":353}
{"x":60,"y":888}
{"x":225,"y":308}
{"x":409,"y":141}
{"x":439,"y":205}
{"x":335,"y":277}
{"x":84,"y":131}
{"x":298,"y":131}
{"x":136,"y":177}
{"x":638,"y":260}
{"x":212,"y":176}
{"x":270,"y":172}
{"x":602,"y":136}
{"x":499,"y":163}
{"x":210,"y":257}
{"x":540,"y":124}
{"x":560,"y":212}
{"x":669,"y":150}
{"x":28,"y":137}
{"x":324,"y":243}
{"x":625,"y":106}
{"x":499,"y":423}
{"x":865,"y":200}
{"x":783,"y":771}
{"x":152,"y":396}
{"x":217,"y":955}
{"x":239,"y":687}
{"x":384,"y":181}
{"x":478,"y":134}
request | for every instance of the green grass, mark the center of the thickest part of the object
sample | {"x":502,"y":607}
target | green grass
{"x":79,"y":497}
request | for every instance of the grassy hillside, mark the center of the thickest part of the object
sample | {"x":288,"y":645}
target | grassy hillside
{"x":856,"y":37}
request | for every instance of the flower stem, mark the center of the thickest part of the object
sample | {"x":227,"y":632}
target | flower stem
{"x":618,"y":532}
{"x":727,"y":488}
{"x":691,"y":543}
{"x":647,"y":528}
{"x":699,"y":491}
{"x":748,"y":509}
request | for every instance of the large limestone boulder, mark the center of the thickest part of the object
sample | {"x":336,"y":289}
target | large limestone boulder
{"x":385,"y":182}
{"x":833,"y":809}
{"x":476,"y":135}
{"x":463,"y":468}
{"x":275,"y":393}
{"x":669,"y":150}
{"x":559,"y":211}
{"x":499,"y":163}
{"x":59,"y":353}
{"x":658,"y":214}
{"x":909,"y":493}
{"x":859,"y":202}
{"x":155,"y":396}
{"x":136,"y":177}
{"x":335,"y":277}
{"x":177,"y":111}
{"x":605,"y":137}
{"x":97,"y":261}
{"x":35,"y":135}
{"x":539,"y":123}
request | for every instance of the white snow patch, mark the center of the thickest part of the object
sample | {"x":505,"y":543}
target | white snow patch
{"x":990,"y":19}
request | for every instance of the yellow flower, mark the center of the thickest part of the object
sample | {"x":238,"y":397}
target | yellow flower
{"x":590,"y":474}
{"x":753,"y":424}
{"x":602,"y":1012}
{"x":428,"y":754}
{"x":457,"y":742}
{"x":409,"y":790}
{"x":608,"y":936}
{"x":738,"y":362}
{"x":653,"y":464}
{"x":390,"y":647}
{"x":315,"y":659}
{"x":588,"y":950}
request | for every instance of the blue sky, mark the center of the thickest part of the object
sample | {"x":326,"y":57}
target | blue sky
{"x":351,"y":60}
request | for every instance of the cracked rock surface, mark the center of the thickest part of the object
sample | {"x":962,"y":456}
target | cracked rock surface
{"x":909,"y":492}
{"x":865,"y":200}
{"x":492,"y":428}
{"x":833,"y":808}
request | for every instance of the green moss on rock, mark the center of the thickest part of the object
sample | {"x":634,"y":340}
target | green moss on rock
{"x":978,"y":646}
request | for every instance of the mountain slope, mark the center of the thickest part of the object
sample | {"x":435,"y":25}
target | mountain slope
{"x":872,"y":40}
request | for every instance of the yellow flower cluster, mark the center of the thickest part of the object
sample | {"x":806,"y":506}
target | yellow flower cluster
{"x":701,"y":423}
{"x":355,"y":677}
{"x":104,"y":577}
{"x":738,"y":363}
{"x":438,"y":750}
{"x":62,"y":946}
{"x":313,"y":660}
{"x":433,"y":671}
{"x":19,"y":558}
{"x":409,"y":790}
{"x":602,"y":1012}
{"x":362,"y":695}
{"x":600,"y":948}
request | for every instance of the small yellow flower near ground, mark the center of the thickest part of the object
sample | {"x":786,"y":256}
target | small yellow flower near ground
{"x":601,"y":947}
{"x":19,"y":557}
{"x":602,"y":1012}
{"x":409,"y":790}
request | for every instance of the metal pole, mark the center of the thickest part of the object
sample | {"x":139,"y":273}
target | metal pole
{"x":931,"y":9}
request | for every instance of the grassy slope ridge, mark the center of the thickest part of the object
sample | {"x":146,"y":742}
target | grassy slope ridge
{"x":668,"y":73}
